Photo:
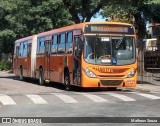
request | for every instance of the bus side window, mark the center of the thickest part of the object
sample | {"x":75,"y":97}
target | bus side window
{"x":69,"y":43}
{"x":29,"y":49}
{"x":41,"y":46}
{"x":54,"y":44}
{"x":61,"y":45}
{"x":17,"y":51}
{"x":21,"y":49}
{"x":25,"y":46}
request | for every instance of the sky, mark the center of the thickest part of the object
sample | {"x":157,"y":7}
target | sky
{"x":98,"y":19}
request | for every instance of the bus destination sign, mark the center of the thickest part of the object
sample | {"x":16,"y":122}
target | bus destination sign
{"x":109,"y":29}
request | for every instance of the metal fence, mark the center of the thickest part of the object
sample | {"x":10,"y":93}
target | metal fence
{"x":149,"y":66}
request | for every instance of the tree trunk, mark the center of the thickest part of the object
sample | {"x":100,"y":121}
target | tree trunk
{"x":140,"y":25}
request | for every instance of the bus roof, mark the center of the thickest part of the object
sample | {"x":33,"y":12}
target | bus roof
{"x":24,"y":39}
{"x":76,"y":26}
{"x":70,"y":27}
{"x":62,"y":29}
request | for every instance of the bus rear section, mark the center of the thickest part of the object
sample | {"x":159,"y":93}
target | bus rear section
{"x":24,"y":57}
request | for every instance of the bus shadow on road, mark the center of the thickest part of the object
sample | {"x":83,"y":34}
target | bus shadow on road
{"x":60,"y":86}
{"x":10,"y":77}
{"x":28,"y":80}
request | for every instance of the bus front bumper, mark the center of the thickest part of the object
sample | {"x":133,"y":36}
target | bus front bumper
{"x":108,"y":82}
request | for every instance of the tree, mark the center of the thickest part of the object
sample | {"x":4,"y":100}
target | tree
{"x":31,"y":17}
{"x":21,"y":18}
{"x":152,"y":12}
{"x":140,"y":10}
{"x":83,"y":10}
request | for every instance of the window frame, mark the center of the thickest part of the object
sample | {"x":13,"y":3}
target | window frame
{"x":70,"y":43}
{"x":41,"y":49}
{"x":23,"y":46}
{"x":61,"y":44}
{"x":53,"y":44}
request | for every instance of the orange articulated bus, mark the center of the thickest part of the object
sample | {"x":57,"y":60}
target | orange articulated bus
{"x":85,"y":55}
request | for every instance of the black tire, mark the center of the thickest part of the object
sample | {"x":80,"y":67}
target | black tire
{"x":68,"y":87}
{"x":41,"y":77}
{"x":21,"y":78}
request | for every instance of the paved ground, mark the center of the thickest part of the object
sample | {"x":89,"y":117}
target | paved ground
{"x":15,"y":92}
{"x":148,"y":82}
{"x":63,"y":97}
{"x":27,"y":99}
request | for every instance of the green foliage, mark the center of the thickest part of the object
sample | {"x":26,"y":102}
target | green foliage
{"x":31,"y":17}
{"x":83,"y":10}
{"x":21,"y":18}
{"x":152,"y":12}
{"x":127,"y":10}
{"x":6,"y":41}
{"x":157,"y":1}
{"x":5,"y":65}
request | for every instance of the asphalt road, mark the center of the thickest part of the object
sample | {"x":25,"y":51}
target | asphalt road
{"x":28,"y":99}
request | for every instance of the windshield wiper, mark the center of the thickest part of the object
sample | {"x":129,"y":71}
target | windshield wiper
{"x":119,"y":42}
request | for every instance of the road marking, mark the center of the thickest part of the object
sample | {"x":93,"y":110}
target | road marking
{"x":94,"y":98}
{"x":65,"y":98}
{"x":37,"y":99}
{"x":120,"y":96}
{"x":148,"y":95}
{"x":6,"y":100}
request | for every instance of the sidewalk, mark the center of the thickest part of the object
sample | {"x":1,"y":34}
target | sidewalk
{"x":148,"y":87}
{"x":149,"y":83}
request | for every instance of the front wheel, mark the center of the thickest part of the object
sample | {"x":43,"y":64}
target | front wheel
{"x":68,"y":87}
{"x":41,"y":77}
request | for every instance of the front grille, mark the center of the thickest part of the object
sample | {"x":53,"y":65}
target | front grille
{"x":111,"y":75}
{"x":111,"y":82}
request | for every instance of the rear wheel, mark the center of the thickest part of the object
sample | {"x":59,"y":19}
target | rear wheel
{"x":68,"y":87}
{"x":21,"y":74}
{"x":41,"y":77}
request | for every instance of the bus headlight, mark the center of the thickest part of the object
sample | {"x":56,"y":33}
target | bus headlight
{"x":131,"y":74}
{"x":89,"y":73}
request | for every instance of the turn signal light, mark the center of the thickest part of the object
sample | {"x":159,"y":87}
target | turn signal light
{"x":130,"y":82}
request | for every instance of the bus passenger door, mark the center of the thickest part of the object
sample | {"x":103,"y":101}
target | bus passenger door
{"x":29,"y":60}
{"x":47,"y":60}
{"x":77,"y":60}
{"x":16,"y":65}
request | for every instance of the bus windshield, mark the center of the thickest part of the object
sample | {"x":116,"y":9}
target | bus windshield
{"x":110,"y":50}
